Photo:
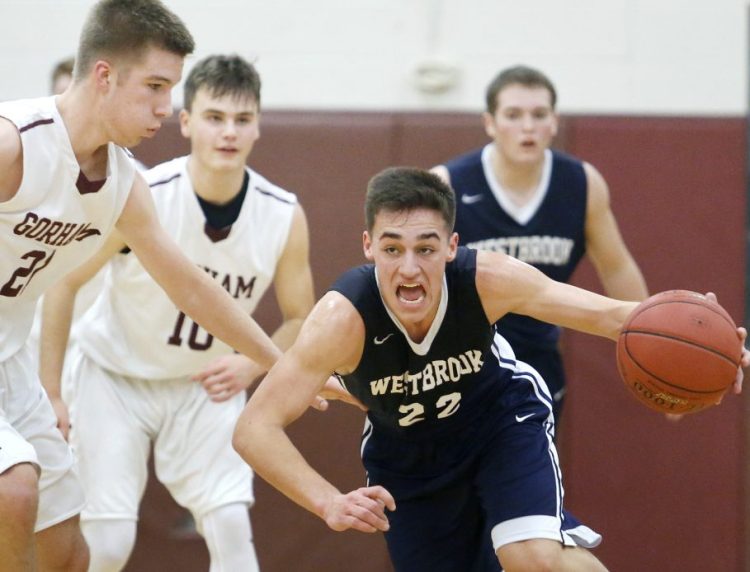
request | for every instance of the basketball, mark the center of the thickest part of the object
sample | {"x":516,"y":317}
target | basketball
{"x":678,"y":352}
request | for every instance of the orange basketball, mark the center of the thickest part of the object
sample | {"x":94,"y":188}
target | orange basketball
{"x":678,"y":352}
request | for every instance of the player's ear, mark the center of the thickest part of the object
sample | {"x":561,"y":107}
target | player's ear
{"x":367,"y":246}
{"x":185,"y":123}
{"x":102,"y":72}
{"x":555,"y":123}
{"x":489,"y":124}
{"x":452,"y":246}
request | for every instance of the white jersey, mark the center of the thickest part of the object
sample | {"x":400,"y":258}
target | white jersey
{"x":134,"y":329}
{"x":56,"y":220}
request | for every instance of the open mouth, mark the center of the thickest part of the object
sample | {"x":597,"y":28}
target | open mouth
{"x":410,"y":293}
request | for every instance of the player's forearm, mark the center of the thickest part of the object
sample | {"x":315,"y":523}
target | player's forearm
{"x":57,"y":316}
{"x":206,"y":302}
{"x":268,"y":450}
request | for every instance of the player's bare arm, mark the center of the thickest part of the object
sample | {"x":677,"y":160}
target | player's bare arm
{"x":57,"y":316}
{"x":11,"y":160}
{"x":227,"y":375}
{"x":331,"y":339}
{"x":506,"y":284}
{"x":189,"y":288}
{"x":615,"y":266}
{"x":293,"y":282}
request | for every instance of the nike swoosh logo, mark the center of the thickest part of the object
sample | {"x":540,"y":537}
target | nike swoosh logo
{"x":379,"y":341}
{"x":521,"y":418}
{"x":471,"y":199}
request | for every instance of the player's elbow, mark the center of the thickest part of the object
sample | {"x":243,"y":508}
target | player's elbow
{"x":240,"y":437}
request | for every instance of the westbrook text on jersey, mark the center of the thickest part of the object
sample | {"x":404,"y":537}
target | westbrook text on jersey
{"x":530,"y":249}
{"x":434,"y":374}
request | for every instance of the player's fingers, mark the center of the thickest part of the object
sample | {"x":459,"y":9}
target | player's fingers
{"x":379,"y":493}
{"x":673,"y":417}
{"x":365,"y":518}
{"x":737,"y":387}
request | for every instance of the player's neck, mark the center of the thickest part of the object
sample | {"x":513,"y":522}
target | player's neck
{"x":519,"y":180}
{"x":87,"y":136}
{"x":217,"y":187}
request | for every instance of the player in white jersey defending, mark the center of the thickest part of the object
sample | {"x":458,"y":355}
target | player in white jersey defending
{"x":144,"y":372}
{"x":65,"y":183}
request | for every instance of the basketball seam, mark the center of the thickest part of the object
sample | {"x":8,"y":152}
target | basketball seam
{"x":718,"y":311}
{"x":684,"y":341}
{"x":664,"y":381}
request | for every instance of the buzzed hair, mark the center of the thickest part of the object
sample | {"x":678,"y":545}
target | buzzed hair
{"x":518,"y":75}
{"x":223,"y":75}
{"x":127,"y":28}
{"x":405,"y":189}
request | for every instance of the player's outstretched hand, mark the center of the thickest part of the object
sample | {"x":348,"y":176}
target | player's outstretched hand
{"x":63,"y":418}
{"x":744,"y":359}
{"x":744,"y":362}
{"x":227,"y":375}
{"x":363,"y":510}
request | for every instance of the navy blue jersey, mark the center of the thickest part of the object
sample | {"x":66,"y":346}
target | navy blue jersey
{"x":552,"y":240}
{"x":445,"y":382}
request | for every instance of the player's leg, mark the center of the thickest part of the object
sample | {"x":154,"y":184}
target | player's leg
{"x":229,"y":538}
{"x":541,"y":554}
{"x":112,"y":422}
{"x":439,"y":532}
{"x":112,"y":541}
{"x":194,"y":459}
{"x":29,"y":434}
{"x":439,"y":518}
{"x":61,"y":547}
{"x":18,"y":506}
{"x":520,"y":484}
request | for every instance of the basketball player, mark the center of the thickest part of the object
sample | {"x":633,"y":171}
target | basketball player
{"x":61,"y":76}
{"x":145,"y":373}
{"x":518,"y":196}
{"x":458,"y":440}
{"x":66,"y":182}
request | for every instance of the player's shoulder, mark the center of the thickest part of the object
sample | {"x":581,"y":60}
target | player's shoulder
{"x":26,"y":114}
{"x":261,"y":188}
{"x":466,"y":159}
{"x":162,"y":175}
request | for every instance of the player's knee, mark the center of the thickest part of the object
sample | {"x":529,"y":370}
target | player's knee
{"x":110,"y":543}
{"x":531,"y":556}
{"x":19,"y":495}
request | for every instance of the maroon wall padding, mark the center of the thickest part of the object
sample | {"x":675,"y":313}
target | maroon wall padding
{"x":667,"y":496}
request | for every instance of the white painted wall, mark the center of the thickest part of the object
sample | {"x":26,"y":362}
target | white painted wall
{"x":675,"y":57}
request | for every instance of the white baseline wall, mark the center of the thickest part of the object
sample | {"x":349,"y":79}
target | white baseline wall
{"x":667,"y":57}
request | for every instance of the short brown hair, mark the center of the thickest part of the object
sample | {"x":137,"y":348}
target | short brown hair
{"x":404,"y":189}
{"x":222,"y":75}
{"x":127,"y":28}
{"x":521,"y":75}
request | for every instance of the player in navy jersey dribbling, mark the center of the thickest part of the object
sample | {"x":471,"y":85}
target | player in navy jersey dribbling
{"x":462,"y":470}
{"x":518,"y":196}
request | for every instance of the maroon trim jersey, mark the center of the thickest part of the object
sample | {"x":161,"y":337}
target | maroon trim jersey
{"x":56,"y":220}
{"x":134,"y":329}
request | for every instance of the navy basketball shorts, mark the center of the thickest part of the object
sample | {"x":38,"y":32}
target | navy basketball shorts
{"x":462,"y":495}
